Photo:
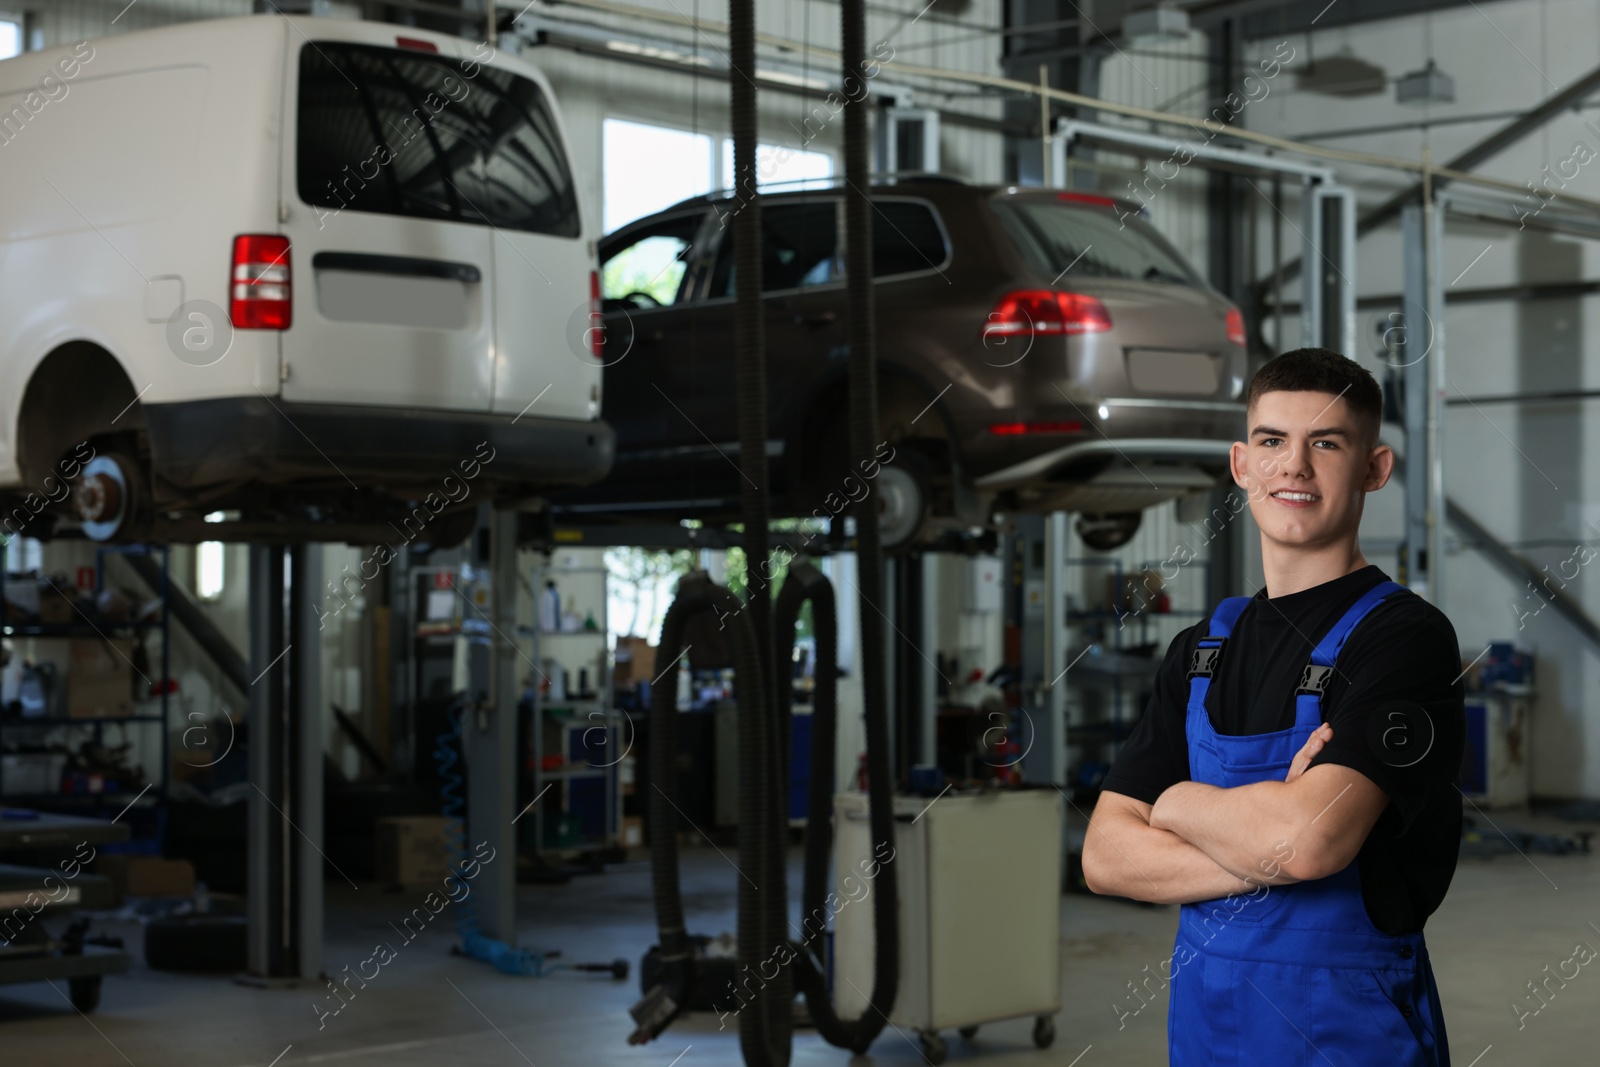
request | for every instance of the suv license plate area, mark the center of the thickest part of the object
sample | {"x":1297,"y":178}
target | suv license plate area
{"x":1173,"y":373}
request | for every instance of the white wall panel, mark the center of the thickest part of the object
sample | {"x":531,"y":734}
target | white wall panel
{"x":1524,"y":471}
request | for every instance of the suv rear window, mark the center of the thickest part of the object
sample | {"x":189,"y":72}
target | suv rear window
{"x":405,"y":133}
{"x":799,"y":244}
{"x":803,"y":247}
{"x":1092,"y":241}
{"x":905,"y":237}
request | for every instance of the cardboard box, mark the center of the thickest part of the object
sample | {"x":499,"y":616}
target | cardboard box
{"x":412,"y":849}
{"x":99,"y":677}
{"x":632,"y":831}
{"x":147,"y":876}
{"x":56,"y":609}
{"x":635,"y":662}
{"x":94,"y":675}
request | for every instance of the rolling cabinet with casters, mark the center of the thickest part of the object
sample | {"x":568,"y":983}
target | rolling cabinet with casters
{"x":29,"y":952}
{"x":979,"y":879}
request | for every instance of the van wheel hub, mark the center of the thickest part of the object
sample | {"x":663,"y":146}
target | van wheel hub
{"x":103,"y":497}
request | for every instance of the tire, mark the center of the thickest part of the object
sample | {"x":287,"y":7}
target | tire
{"x":934,"y":1050}
{"x":85,"y":992}
{"x":968,"y":1032}
{"x":1105,"y":532}
{"x":1044,"y":1031}
{"x":197,"y":943}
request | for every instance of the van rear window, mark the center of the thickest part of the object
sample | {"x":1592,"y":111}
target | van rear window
{"x":404,"y":133}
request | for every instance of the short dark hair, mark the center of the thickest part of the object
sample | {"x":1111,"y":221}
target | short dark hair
{"x":1320,"y":370}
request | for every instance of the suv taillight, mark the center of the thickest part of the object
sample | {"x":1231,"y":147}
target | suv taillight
{"x":1031,"y":312}
{"x":259,"y":293}
{"x":597,"y":322}
{"x":1236,"y":327}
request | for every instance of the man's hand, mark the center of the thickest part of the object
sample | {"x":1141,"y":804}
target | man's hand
{"x":1320,"y":737}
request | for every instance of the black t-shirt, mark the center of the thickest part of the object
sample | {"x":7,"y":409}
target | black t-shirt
{"x":1394,"y":701}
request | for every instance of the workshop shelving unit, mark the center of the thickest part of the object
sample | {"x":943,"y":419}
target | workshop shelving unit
{"x":1115,"y":675}
{"x":151,"y":811}
{"x":582,"y":736}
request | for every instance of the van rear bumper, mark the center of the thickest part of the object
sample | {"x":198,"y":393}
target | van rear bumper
{"x":233,"y":440}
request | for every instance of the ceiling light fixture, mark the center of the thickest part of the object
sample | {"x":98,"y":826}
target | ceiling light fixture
{"x":1430,"y":85}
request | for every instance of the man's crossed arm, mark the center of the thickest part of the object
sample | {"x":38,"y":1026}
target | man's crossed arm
{"x":1200,"y":842}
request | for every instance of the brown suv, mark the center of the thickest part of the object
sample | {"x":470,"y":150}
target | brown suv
{"x":1039,"y":350}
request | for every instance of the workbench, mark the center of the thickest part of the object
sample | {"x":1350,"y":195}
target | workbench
{"x":32,"y":896}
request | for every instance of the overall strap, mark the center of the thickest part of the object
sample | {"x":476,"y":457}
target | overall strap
{"x":1208,"y":653}
{"x":1314,"y":682}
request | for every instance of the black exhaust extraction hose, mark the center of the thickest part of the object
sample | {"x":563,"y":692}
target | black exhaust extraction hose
{"x":864,"y":440}
{"x":763,"y":998}
{"x":803,"y":583}
{"x":766,"y":1027}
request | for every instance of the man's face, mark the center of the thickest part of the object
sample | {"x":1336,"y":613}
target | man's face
{"x":1307,"y":466}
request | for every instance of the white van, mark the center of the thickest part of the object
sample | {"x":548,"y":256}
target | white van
{"x":328,"y":277}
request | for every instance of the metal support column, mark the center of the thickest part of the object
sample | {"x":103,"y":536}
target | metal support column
{"x":285,"y":829}
{"x":1049,"y":740}
{"x":489,"y":734}
{"x":927,"y":623}
{"x":910,"y":674}
{"x":1433,"y":230}
{"x":306,"y":715}
{"x":1038,"y":544}
{"x":1414,"y":373}
{"x":1422,"y":354}
{"x":893,"y":680}
{"x":1328,"y":293}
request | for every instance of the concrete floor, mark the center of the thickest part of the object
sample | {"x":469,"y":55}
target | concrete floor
{"x":1504,"y":921}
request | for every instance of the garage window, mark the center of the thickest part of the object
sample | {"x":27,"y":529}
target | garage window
{"x":404,"y":133}
{"x":790,"y":169}
{"x":678,"y":164}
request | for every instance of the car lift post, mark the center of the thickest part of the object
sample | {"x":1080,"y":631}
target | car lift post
{"x":489,"y":734}
{"x":286,"y":753}
{"x":1039,"y":554}
{"x":1422,"y":352}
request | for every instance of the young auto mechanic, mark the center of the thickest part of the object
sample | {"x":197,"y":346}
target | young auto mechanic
{"x":1291,"y":783}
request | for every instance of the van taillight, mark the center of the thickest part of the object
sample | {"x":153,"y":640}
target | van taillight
{"x":1236,"y":327}
{"x":259,"y":294}
{"x":597,"y":322}
{"x":416,"y":44}
{"x":1031,"y":312}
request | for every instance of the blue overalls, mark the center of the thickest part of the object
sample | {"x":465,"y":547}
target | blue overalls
{"x":1292,"y":975}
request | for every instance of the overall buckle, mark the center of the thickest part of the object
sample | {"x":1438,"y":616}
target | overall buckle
{"x":1206,"y":657}
{"x":1315,"y":679}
